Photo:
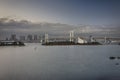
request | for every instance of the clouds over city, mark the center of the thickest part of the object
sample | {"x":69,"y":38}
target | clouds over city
{"x":25,"y":26}
{"x":7,"y":24}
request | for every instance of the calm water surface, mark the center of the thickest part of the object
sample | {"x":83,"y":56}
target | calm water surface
{"x":36,"y":62}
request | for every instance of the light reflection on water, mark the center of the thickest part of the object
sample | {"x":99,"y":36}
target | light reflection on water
{"x":36,"y":62}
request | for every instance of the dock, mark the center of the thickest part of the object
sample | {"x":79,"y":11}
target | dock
{"x":69,"y":43}
{"x":11,"y":43}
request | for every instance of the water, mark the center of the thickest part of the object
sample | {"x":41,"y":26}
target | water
{"x":36,"y":62}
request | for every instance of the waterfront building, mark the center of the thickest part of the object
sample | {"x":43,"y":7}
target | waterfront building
{"x":91,"y":39}
{"x":29,"y":37}
{"x":22,"y":38}
{"x":81,"y":40}
{"x":35,"y":37}
{"x":13,"y":37}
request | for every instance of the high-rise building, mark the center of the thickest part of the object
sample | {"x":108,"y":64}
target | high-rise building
{"x":35,"y":37}
{"x":41,"y":37}
{"x":13,"y":37}
{"x":29,"y":37}
{"x":22,"y":38}
{"x":6,"y":39}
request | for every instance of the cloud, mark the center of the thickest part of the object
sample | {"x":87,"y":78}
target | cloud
{"x":7,"y":24}
{"x":25,"y":26}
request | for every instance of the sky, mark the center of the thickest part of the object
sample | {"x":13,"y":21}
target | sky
{"x":75,"y":12}
{"x":59,"y":16}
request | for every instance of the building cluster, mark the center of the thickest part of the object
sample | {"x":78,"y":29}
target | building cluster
{"x":34,"y":38}
{"x":27,"y":38}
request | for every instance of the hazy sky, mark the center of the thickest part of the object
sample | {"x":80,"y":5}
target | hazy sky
{"x":95,"y":12}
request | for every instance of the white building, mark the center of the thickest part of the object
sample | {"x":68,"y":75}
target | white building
{"x":80,"y":40}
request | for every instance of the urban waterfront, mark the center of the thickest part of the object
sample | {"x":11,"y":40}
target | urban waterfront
{"x":59,"y":39}
{"x":37,"y":62}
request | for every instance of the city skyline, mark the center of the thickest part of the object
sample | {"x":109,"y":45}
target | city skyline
{"x":59,"y":16}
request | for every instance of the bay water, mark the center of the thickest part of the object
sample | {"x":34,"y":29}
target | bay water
{"x":37,"y":62}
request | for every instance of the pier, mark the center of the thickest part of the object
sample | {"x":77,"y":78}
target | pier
{"x":11,"y":43}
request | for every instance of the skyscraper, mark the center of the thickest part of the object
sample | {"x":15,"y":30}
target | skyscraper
{"x":22,"y":38}
{"x":29,"y":37}
{"x":35,"y":37}
{"x":13,"y":37}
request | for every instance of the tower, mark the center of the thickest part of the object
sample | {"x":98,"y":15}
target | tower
{"x":46,"y":38}
{"x":105,"y":40}
{"x":13,"y":37}
{"x":71,"y":36}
